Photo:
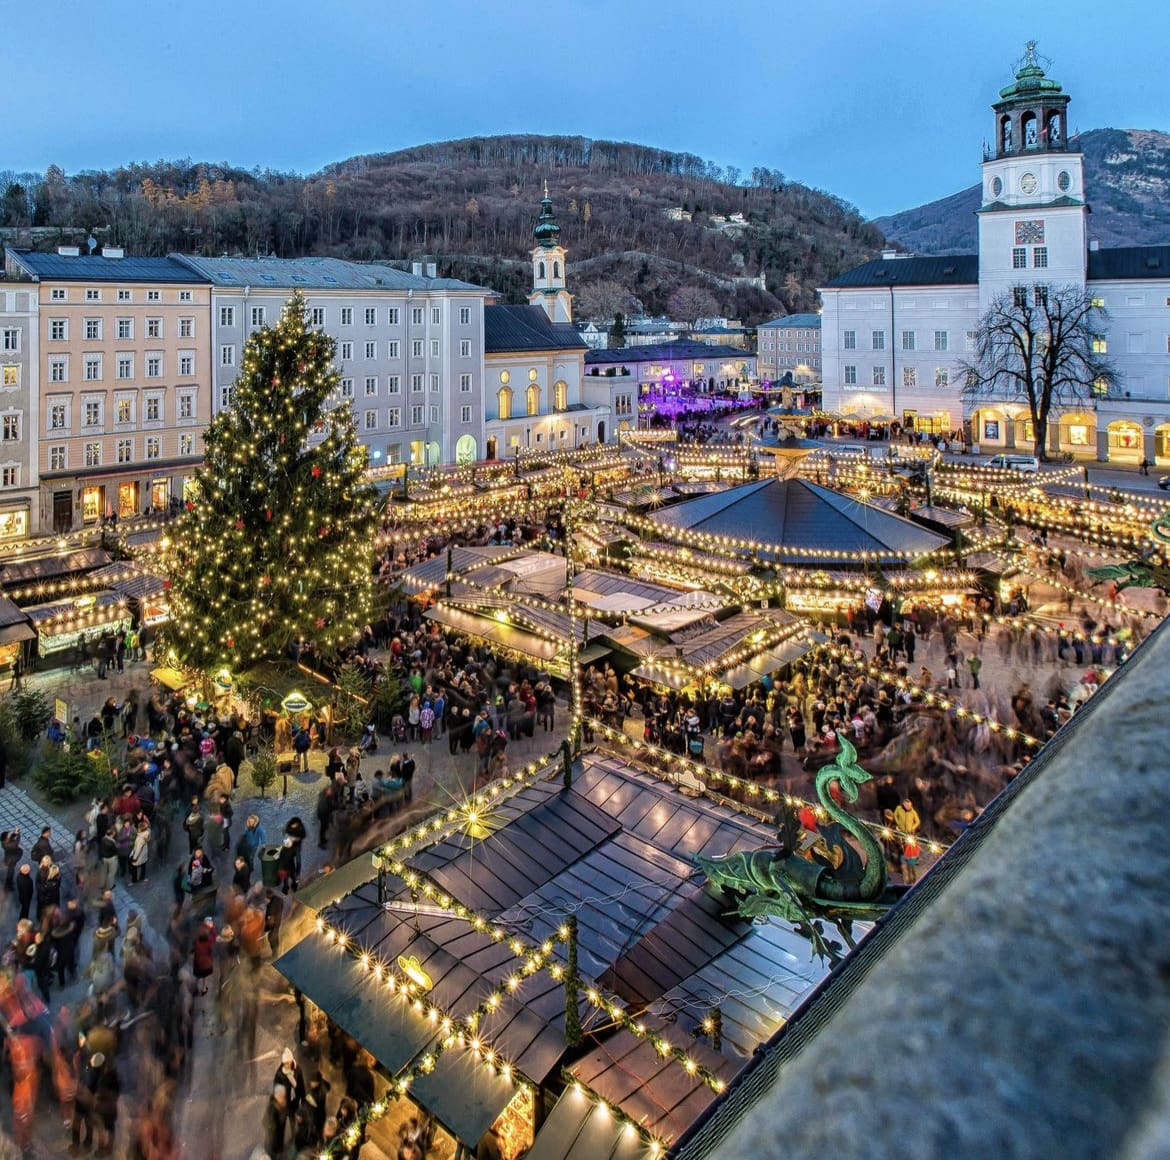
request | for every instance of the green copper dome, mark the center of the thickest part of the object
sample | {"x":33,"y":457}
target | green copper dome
{"x":1030,"y":80}
{"x":547,"y":231}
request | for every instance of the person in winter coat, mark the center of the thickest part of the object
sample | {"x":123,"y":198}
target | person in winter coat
{"x":286,"y":866}
{"x":289,"y":1076}
{"x":48,"y":887}
{"x":253,"y":837}
{"x":12,"y":855}
{"x":140,"y":853}
{"x":276,"y":1116}
{"x":124,"y":837}
{"x":233,"y":755}
{"x":195,"y":824}
{"x":25,"y":889}
{"x":203,"y":954}
{"x":42,"y":846}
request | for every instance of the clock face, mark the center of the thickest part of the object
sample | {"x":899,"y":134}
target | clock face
{"x":1030,"y":233}
{"x":1064,"y":181}
{"x":996,"y":187}
{"x":1028,"y":183}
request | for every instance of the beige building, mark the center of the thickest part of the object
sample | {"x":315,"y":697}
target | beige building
{"x":123,"y":369}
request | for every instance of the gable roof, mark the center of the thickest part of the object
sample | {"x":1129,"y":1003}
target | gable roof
{"x":798,"y":514}
{"x":950,"y":270}
{"x":520,"y":328}
{"x":312,"y":273}
{"x":97,"y":268}
{"x":793,"y":322}
{"x":1127,"y":262}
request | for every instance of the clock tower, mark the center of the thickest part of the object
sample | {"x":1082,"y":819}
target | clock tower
{"x":548,"y":266}
{"x":1032,"y":221}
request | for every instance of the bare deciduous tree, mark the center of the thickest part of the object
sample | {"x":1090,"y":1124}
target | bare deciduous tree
{"x":1041,"y":346}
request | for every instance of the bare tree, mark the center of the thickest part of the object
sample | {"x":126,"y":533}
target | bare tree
{"x":1043,"y":346}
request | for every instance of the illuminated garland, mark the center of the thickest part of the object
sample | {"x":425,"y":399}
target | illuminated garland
{"x":583,"y":1090}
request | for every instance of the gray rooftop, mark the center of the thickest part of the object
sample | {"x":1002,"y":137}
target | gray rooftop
{"x":679,"y":351}
{"x":793,"y":322}
{"x":1126,"y":262}
{"x":97,"y":268}
{"x":952,"y":270}
{"x":312,"y":274}
{"x":520,"y":328}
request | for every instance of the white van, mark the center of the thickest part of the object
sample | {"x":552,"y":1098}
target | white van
{"x":1014,"y":463}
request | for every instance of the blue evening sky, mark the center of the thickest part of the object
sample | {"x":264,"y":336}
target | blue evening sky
{"x":883,"y":102}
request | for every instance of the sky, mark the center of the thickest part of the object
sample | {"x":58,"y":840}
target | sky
{"x":882,"y":102}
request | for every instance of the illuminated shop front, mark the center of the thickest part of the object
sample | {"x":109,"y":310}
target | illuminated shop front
{"x":78,"y":623}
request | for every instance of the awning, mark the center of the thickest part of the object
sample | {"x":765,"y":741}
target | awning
{"x":15,"y":633}
{"x":495,"y":632}
{"x":577,"y":1129}
{"x":382,"y":1023}
{"x":670,"y":678}
{"x":463,"y":1095}
{"x":171,"y":679}
{"x":329,"y":888}
{"x":22,"y":571}
{"x":766,"y":663}
{"x":131,"y":581}
{"x":593,"y":652}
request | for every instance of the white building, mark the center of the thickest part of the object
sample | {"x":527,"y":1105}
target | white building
{"x":895,"y":330}
{"x":790,"y":344}
{"x":409,"y":346}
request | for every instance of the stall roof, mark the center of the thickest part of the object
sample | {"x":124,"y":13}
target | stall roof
{"x":466,"y":1096}
{"x":130,"y":580}
{"x":22,"y":571}
{"x":68,"y":609}
{"x":577,"y":1129}
{"x":14,"y":624}
{"x":801,"y":515}
{"x":431,"y":573}
{"x":172,"y":679}
{"x":485,"y":628}
{"x":766,"y":663}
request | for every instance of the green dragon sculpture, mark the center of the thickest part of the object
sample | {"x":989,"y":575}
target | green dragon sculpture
{"x":832,"y":883}
{"x":1132,"y":574}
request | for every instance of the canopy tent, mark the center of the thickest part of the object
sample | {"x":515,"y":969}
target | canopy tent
{"x":767,"y":663}
{"x":494,"y":631}
{"x":15,"y":626}
{"x":23,"y":571}
{"x":170,"y":679}
{"x":466,"y":1097}
{"x":578,"y":1129}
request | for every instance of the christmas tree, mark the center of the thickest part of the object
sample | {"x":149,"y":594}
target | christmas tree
{"x":276,"y":541}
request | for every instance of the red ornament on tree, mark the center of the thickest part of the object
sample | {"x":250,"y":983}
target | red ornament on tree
{"x":268,"y":513}
{"x":239,"y":525}
{"x":316,"y":471}
{"x":322,"y":532}
{"x":320,"y":622}
{"x":166,"y":583}
{"x":231,"y":642}
{"x":302,"y":367}
{"x":265,"y":581}
{"x":190,"y":506}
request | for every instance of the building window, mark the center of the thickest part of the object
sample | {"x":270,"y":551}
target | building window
{"x":125,"y":366}
{"x":10,"y":477}
{"x":1019,"y":258}
{"x":1019,"y":296}
{"x":58,"y":416}
{"x":1099,"y":344}
{"x":392,"y":316}
{"x":153,"y":408}
{"x":504,"y":403}
{"x":371,"y":316}
{"x":154,"y":328}
{"x":416,"y":348}
{"x":93,"y":296}
{"x":59,"y":295}
{"x":1040,"y":257}
{"x":59,"y":457}
{"x":464,"y":315}
{"x":227,"y":356}
{"x":93,"y":455}
{"x":154,"y":366}
{"x":10,"y":428}
{"x":464,"y":414}
{"x":392,"y":349}
{"x":909,"y":377}
{"x":184,"y":295}
{"x":434,"y":348}
{"x":879,"y":340}
{"x":849,"y":340}
{"x":371,"y":385}
{"x":465,"y":383}
{"x":971,"y":340}
{"x":153,"y":447}
{"x":93,"y":368}
{"x":347,"y":388}
{"x":186,"y":405}
{"x":371,"y":420}
{"x":347,"y":316}
{"x":532,"y":397}
{"x":227,"y":316}
{"x":58,"y":329}
{"x":434,"y":414}
{"x":225,"y":397}
{"x":436,"y":316}
{"x":1040,"y":295}
{"x":125,"y":450}
{"x":394,"y":417}
{"x":393,"y":384}
{"x":186,"y":443}
{"x":259,"y":314}
{"x":371,"y":350}
{"x":434,"y":382}
{"x":942,"y":377}
{"x":879,"y":376}
{"x":416,"y":416}
{"x":908,"y":340}
{"x":10,"y":340}
{"x":416,"y":383}
{"x":560,"y":395}
{"x":416,"y":316}
{"x":465,"y":348}
{"x":346,"y":351}
{"x":850,"y":376}
{"x":126,"y":329}
{"x":93,"y":329}
{"x":940,"y":340}
{"x":10,"y":376}
{"x":186,"y":327}
{"x":186,"y":365}
{"x":154,"y":296}
{"x":124,"y":411}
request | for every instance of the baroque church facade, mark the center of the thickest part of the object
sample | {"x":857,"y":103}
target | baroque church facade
{"x":896,"y":330}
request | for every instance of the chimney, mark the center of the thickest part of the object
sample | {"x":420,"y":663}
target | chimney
{"x":113,"y":252}
{"x":1094,"y":244}
{"x":416,"y":269}
{"x":69,"y":251}
{"x":432,"y":270}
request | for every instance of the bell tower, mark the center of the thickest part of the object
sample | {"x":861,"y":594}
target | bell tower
{"x":1032,"y":222}
{"x":548,"y":266}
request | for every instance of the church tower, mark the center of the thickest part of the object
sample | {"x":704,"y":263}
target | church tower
{"x":1032,"y":222}
{"x":548,"y":266}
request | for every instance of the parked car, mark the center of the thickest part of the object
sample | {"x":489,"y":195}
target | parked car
{"x":1014,"y":462}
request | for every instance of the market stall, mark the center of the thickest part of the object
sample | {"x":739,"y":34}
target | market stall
{"x":80,"y":623}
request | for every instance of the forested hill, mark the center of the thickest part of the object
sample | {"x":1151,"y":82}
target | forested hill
{"x":1127,"y":185}
{"x":646,"y":229}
